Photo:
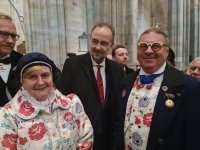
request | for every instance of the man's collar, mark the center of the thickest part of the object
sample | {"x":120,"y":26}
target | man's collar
{"x":8,"y":55}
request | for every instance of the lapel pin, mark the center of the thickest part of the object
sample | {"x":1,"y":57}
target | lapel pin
{"x":164,"y":88}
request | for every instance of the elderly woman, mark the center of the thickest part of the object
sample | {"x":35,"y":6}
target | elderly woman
{"x":194,"y":68}
{"x":39,"y":117}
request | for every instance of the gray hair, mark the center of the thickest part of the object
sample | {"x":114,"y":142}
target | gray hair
{"x":158,"y":31}
{"x":190,"y":65}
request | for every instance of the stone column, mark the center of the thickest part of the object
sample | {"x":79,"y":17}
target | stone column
{"x":179,"y":31}
{"x":195,"y":42}
{"x":53,"y":27}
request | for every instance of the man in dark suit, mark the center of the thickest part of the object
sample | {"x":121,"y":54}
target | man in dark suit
{"x":79,"y":76}
{"x":8,"y":59}
{"x":159,"y":105}
{"x":120,"y":55}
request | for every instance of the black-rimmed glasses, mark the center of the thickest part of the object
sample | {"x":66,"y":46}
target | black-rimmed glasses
{"x":156,"y":46}
{"x":6,"y":35}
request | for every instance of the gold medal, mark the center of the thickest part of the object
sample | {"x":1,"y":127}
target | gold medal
{"x":169,"y":103}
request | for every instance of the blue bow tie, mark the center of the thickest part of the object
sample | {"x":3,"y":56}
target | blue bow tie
{"x":148,"y":79}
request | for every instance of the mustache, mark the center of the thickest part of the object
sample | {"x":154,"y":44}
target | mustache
{"x":97,"y":51}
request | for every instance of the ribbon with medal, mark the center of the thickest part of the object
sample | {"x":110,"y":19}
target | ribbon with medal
{"x":169,"y":102}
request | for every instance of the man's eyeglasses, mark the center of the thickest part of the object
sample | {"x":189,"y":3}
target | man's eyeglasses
{"x":6,"y":35}
{"x":156,"y":46}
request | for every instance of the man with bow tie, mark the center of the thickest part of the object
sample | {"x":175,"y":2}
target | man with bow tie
{"x":160,"y":105}
{"x":8,"y":59}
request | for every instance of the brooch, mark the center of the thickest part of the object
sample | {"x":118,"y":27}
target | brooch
{"x":169,"y":102}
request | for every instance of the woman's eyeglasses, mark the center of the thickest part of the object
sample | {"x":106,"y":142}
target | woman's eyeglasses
{"x":6,"y":35}
{"x":156,"y":46}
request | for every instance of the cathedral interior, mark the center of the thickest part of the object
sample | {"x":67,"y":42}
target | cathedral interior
{"x":60,"y":28}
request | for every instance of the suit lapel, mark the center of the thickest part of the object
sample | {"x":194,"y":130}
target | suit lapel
{"x":128,"y":81}
{"x":86,"y":63}
{"x":108,"y":75}
{"x":171,"y":89}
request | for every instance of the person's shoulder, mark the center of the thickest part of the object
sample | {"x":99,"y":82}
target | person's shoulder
{"x":191,"y":80}
{"x":76,"y":58}
{"x":73,"y":100}
{"x":73,"y":97}
{"x":177,"y":77}
{"x":15,"y":54}
{"x":130,"y":78}
{"x":129,"y":70}
{"x":114,"y":64}
{"x":7,"y":109}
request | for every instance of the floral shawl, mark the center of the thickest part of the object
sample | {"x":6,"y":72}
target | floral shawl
{"x":59,"y":122}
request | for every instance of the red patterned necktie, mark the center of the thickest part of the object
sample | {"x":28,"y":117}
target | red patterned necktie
{"x":100,"y":84}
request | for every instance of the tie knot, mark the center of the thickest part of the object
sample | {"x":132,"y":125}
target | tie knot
{"x":99,"y":66}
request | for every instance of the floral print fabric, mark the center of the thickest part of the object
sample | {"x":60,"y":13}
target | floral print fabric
{"x":139,"y":113}
{"x":59,"y":123}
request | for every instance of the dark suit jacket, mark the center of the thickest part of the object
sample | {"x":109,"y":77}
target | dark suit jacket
{"x":127,"y":70}
{"x":176,"y":128}
{"x":78,"y":77}
{"x":12,"y":84}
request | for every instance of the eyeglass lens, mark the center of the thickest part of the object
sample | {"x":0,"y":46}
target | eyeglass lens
{"x":5,"y":35}
{"x":154,"y":46}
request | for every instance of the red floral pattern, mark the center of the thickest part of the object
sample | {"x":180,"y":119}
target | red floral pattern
{"x":147,"y":119}
{"x":139,"y":113}
{"x":137,"y":120}
{"x":78,"y":123}
{"x":7,"y":106}
{"x":87,"y":145}
{"x":26,"y":108}
{"x":22,"y":141}
{"x":64,"y":102}
{"x":68,"y":116}
{"x":10,"y":141}
{"x":19,"y":99}
{"x":70,"y":96}
{"x":149,"y":87}
{"x":37,"y":131}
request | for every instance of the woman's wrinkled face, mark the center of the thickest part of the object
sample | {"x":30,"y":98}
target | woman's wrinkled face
{"x":194,"y":69}
{"x":38,"y":83}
